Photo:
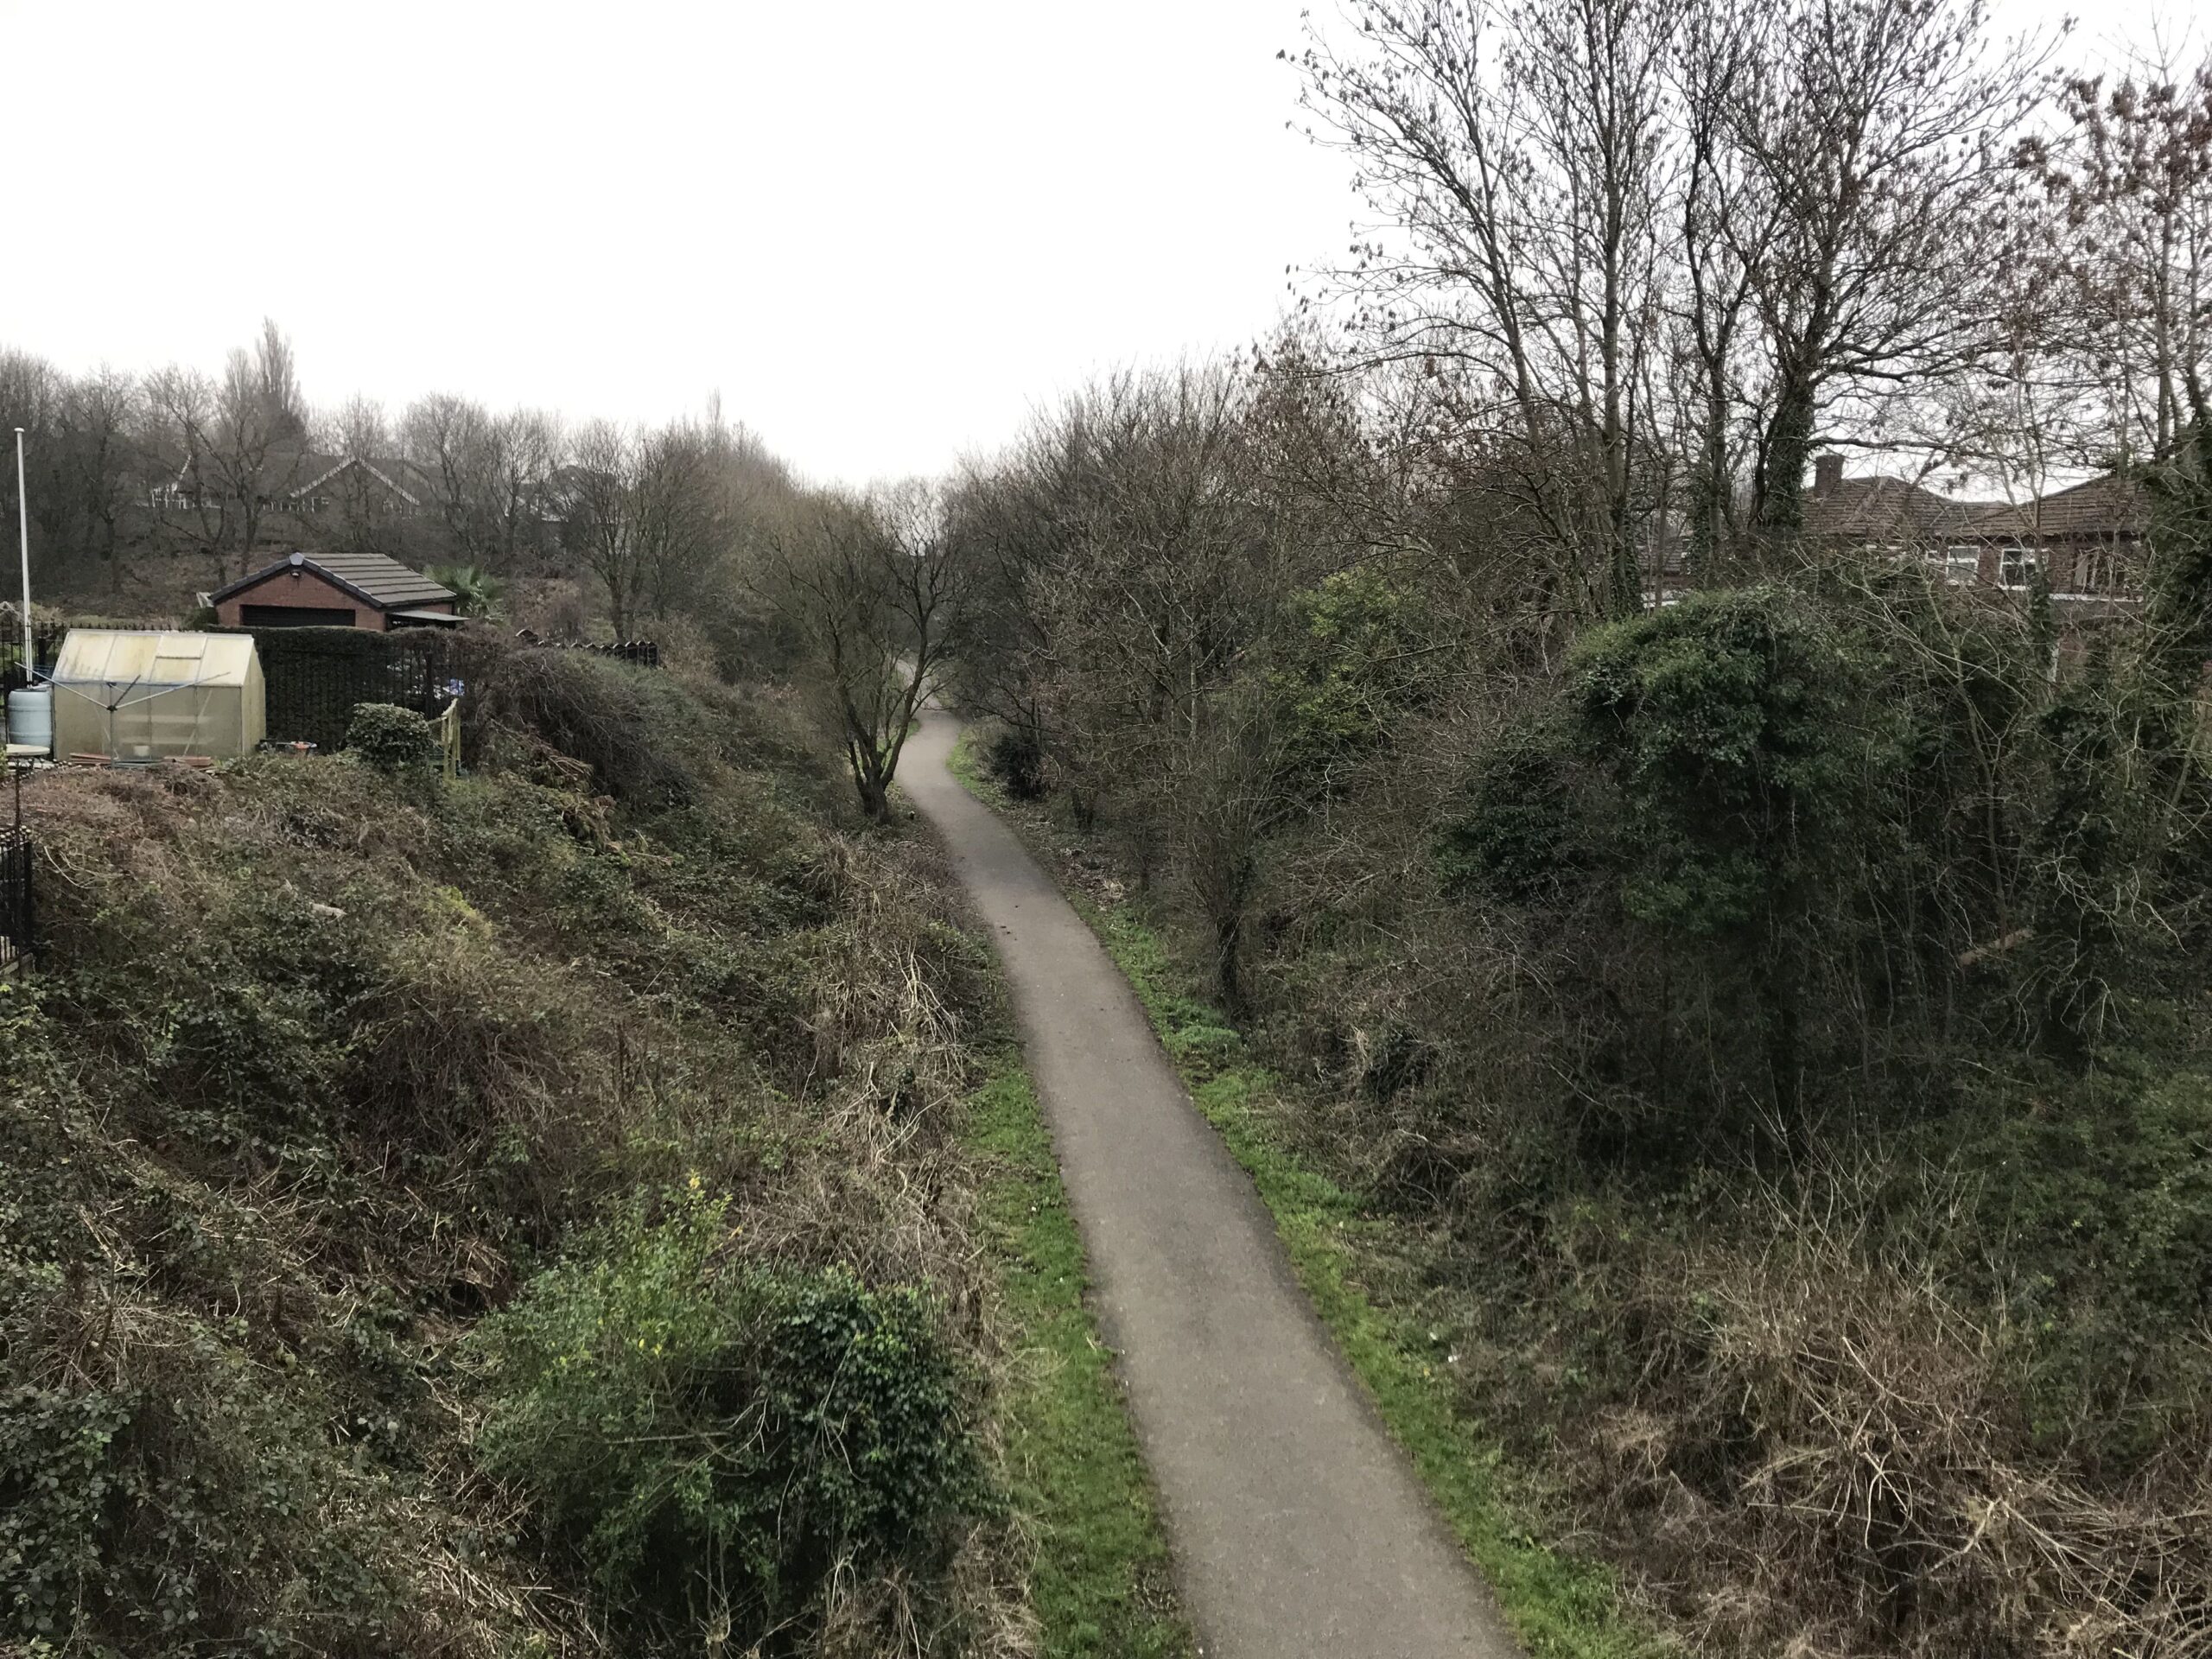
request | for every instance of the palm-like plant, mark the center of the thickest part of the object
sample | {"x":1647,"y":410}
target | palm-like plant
{"x":476,"y":591}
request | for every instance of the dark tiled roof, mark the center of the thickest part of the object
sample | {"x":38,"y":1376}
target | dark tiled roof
{"x":1887,"y":509}
{"x":1893,"y":510}
{"x":383,"y":582}
{"x":386,"y":581}
{"x":2110,"y":505}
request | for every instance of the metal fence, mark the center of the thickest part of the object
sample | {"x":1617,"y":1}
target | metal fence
{"x":643,"y":653}
{"x":46,"y":645}
{"x":640,"y":653}
{"x":17,"y":913}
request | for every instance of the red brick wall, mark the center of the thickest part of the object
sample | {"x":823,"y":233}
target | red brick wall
{"x":301,"y":588}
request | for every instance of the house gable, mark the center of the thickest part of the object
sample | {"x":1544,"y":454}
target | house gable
{"x":373,"y":587}
{"x":301,"y":590}
{"x":404,"y":485}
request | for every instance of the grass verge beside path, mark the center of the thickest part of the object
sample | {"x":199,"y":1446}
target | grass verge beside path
{"x":1560,"y":1608}
{"x":1101,"y":1584}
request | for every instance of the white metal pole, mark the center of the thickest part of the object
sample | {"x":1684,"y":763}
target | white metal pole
{"x":24,"y":528}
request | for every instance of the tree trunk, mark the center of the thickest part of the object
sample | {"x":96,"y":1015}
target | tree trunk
{"x":1229,"y":972}
{"x":618,"y":613}
{"x":875,"y":795}
{"x":1625,"y":597}
{"x":1709,"y":486}
{"x":1788,"y":447}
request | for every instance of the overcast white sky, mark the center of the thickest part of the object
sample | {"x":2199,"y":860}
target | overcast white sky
{"x":882,"y":231}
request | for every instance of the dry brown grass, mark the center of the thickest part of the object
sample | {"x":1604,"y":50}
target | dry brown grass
{"x":1816,"y":1453}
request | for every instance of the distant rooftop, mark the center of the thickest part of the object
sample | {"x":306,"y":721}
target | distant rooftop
{"x":1880,"y":508}
{"x":1876,"y":509}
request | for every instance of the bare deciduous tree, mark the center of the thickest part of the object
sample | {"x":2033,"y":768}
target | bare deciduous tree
{"x":871,"y":583}
{"x":650,"y":513}
{"x":99,"y":416}
{"x":32,"y":395}
{"x":493,"y":473}
{"x":1874,"y":135}
{"x":2129,"y":245}
{"x":180,"y":405}
{"x":1514,"y":156}
{"x":228,"y":448}
{"x":1638,"y":245}
{"x":447,"y":436}
{"x":361,"y":504}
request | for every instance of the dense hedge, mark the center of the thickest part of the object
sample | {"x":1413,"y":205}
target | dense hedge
{"x":317,"y":677}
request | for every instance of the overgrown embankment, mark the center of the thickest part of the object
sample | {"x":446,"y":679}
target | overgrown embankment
{"x":541,"y":1211}
{"x":1764,"y":1046}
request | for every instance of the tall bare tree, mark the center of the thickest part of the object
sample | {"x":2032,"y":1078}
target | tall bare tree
{"x":493,"y":473}
{"x":33,"y":395}
{"x":447,"y":436}
{"x":99,"y":418}
{"x":1635,"y":243}
{"x":870,"y":583}
{"x":229,"y":447}
{"x":362,"y":504}
{"x":1726,"y":220}
{"x":2129,"y":177}
{"x":650,"y":513}
{"x":1875,"y":137}
{"x":1513,"y":156}
{"x":598,"y":489}
{"x":179,"y":406}
{"x":522,"y":449}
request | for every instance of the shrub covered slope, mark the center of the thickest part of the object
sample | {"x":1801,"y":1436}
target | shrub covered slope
{"x":527,"y":1213}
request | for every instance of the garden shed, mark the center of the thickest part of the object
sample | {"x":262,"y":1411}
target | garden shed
{"x":139,"y":695}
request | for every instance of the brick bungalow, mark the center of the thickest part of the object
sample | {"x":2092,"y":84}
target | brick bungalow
{"x":2089,"y":538}
{"x":335,"y":590}
{"x":2092,"y":539}
{"x":308,"y":484}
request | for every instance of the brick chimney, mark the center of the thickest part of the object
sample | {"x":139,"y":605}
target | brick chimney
{"x":1828,"y":473}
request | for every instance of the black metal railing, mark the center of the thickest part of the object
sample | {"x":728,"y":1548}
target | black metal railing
{"x":17,"y":913}
{"x":640,"y":653}
{"x":46,"y":645}
{"x":643,"y":653}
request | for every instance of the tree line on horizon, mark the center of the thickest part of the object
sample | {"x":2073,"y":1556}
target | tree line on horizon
{"x":178,"y":465}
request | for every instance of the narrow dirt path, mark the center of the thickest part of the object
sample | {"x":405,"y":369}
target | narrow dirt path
{"x":1297,"y":1526}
